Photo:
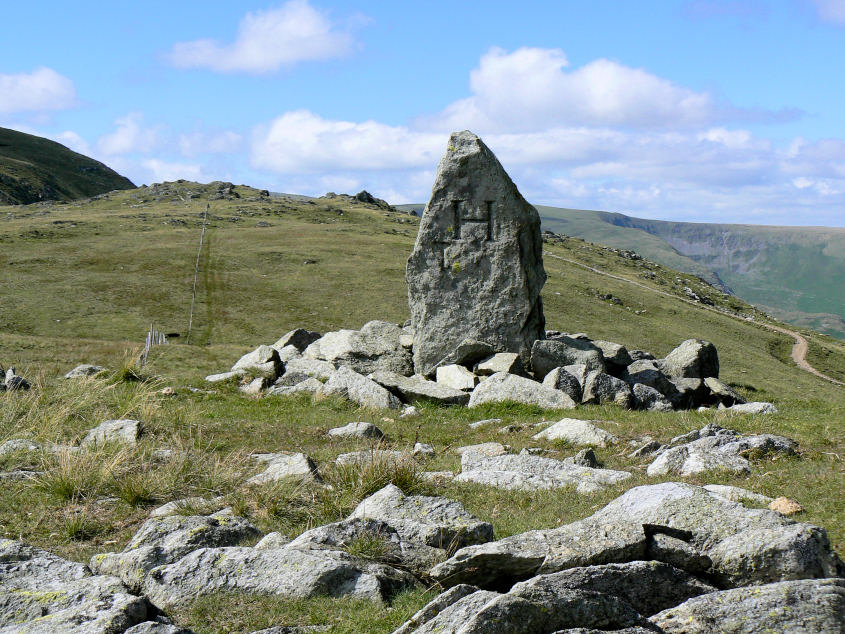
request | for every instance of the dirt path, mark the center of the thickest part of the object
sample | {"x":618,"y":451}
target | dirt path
{"x":799,"y":350}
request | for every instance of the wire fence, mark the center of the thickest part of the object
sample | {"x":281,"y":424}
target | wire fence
{"x":154,"y":338}
{"x":196,"y":272}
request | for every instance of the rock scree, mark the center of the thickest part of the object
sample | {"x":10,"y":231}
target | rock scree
{"x":476,"y":269}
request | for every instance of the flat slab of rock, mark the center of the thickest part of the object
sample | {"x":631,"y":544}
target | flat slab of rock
{"x":509,"y":362}
{"x":529,"y":472}
{"x":356,"y":430}
{"x":307,"y":386}
{"x":816,"y":605}
{"x":434,"y":521}
{"x":372,"y":455}
{"x":124,"y":431}
{"x":349,"y":384}
{"x":287,"y":571}
{"x":418,"y":388}
{"x":377,"y":346}
{"x":737,"y":494}
{"x":40,"y":592}
{"x":476,"y":269}
{"x":223,"y":376}
{"x":577,"y":432}
{"x":284,"y":465}
{"x":310,"y":367}
{"x":510,"y":387}
{"x":755,"y":407}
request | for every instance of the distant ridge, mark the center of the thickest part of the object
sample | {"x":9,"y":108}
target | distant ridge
{"x":34,"y":169}
{"x":794,"y":273}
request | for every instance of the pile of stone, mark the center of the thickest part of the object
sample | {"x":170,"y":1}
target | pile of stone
{"x":665,"y":558}
{"x":374,"y":367}
{"x":11,"y":380}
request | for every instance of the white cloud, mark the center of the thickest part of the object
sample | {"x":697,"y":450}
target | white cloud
{"x":267,"y":41}
{"x":197,"y":143}
{"x":303,"y":142}
{"x":832,"y":11}
{"x":42,"y":89}
{"x":159,"y":170}
{"x":131,"y":136}
{"x":533,"y":89}
{"x":71,"y":139}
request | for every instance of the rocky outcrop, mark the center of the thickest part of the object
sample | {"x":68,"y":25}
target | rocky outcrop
{"x":40,"y":592}
{"x":577,"y":432}
{"x":476,"y":269}
{"x":562,"y":351}
{"x":411,"y":389}
{"x":377,"y":346}
{"x":693,"y":359}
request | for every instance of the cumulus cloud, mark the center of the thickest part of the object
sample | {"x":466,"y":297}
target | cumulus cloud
{"x":303,"y":142}
{"x":42,"y":89}
{"x":199,"y":142}
{"x":534,"y":89}
{"x":130,"y":136}
{"x":160,"y":170}
{"x":832,"y":11}
{"x":267,"y":41}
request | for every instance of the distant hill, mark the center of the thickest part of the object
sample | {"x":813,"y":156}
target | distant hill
{"x":33,"y":168}
{"x":794,"y":273}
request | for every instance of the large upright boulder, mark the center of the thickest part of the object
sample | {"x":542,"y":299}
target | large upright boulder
{"x":477,"y":267}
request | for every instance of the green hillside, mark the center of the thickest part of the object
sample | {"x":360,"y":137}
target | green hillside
{"x":33,"y":169}
{"x":796,"y":273}
{"x":83,"y":281}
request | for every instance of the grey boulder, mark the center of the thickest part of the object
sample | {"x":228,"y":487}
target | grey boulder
{"x":356,"y":430}
{"x":546,"y":355}
{"x":84,"y":371}
{"x":561,"y":379}
{"x":123,"y":431}
{"x":164,"y":540}
{"x":529,"y":472}
{"x":347,"y":383}
{"x":264,"y":360}
{"x":816,"y":605}
{"x":577,"y":432}
{"x":601,"y":388}
{"x":693,"y":359}
{"x":476,"y":269}
{"x":45,"y":594}
{"x":510,"y":387}
{"x":299,"y":338}
{"x":412,"y":389}
{"x":376,"y":346}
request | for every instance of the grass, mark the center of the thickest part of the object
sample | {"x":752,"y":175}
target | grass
{"x":257,"y":288}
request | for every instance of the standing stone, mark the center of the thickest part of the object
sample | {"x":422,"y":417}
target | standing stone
{"x":476,"y":270}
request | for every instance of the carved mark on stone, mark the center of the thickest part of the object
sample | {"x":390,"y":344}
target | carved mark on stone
{"x":472,"y":220}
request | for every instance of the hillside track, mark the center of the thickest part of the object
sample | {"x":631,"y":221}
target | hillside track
{"x":799,"y":349}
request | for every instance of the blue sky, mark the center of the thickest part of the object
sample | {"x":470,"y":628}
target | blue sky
{"x":699,"y":110}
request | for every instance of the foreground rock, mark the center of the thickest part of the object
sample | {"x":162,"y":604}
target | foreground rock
{"x":816,"y":605}
{"x":476,"y":269}
{"x":356,"y":430}
{"x":288,"y":571}
{"x":40,"y":592}
{"x":529,"y":472}
{"x":164,"y":540}
{"x":433,"y":521}
{"x":563,"y":351}
{"x":509,"y":387}
{"x":680,"y":524}
{"x":693,"y":359}
{"x":264,"y":361}
{"x":611,"y":596}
